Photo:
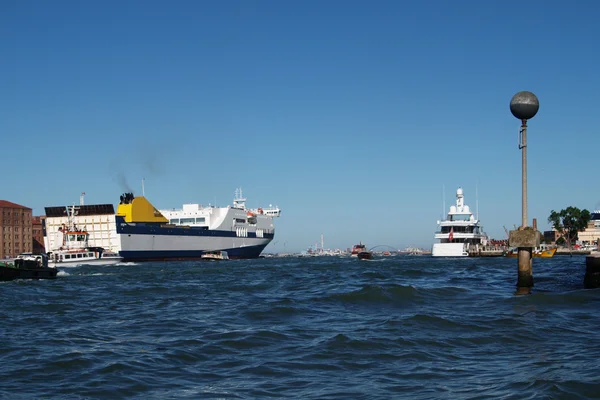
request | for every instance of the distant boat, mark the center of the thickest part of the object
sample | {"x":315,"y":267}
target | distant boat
{"x":365,"y":255}
{"x":357,"y":249}
{"x":536,"y":253}
{"x":414,"y":251}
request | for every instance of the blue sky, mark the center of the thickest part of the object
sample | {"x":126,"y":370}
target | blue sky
{"x":351,"y":116}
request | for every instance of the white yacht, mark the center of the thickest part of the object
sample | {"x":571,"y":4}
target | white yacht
{"x":459,"y":232}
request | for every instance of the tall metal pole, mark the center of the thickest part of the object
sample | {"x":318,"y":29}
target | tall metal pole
{"x":525,"y":274}
{"x":524,"y":106}
{"x":524,"y":172}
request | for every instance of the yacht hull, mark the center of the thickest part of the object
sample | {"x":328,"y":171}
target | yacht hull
{"x":449,"y":250}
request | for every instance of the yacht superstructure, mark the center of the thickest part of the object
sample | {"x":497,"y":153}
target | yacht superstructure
{"x":459,"y":232}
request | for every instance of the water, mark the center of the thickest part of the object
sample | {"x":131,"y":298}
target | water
{"x":326,"y":328}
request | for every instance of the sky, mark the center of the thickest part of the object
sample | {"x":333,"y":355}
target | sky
{"x":359,"y":119}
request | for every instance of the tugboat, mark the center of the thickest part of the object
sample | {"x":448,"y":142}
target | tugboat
{"x":27,"y":266}
{"x":74,"y":249}
{"x":357,"y":249}
{"x":365,"y":255}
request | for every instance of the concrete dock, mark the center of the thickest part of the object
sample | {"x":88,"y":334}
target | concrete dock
{"x":592,"y":271}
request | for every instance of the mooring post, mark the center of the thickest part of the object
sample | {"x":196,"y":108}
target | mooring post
{"x":592,"y":269}
{"x":524,"y":106}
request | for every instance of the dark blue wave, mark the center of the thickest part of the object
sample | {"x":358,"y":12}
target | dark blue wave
{"x":322,"y":327}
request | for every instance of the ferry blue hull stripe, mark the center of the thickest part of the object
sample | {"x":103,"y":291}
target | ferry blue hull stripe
{"x":153,"y":228}
{"x":241,"y":252}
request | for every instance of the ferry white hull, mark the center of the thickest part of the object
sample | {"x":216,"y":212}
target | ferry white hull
{"x":144,"y":247}
{"x":449,"y":250}
{"x":148,"y":234}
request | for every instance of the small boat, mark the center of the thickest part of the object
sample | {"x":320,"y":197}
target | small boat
{"x":365,"y":255}
{"x":357,"y":249}
{"x":27,"y":266}
{"x":215,"y":255}
{"x":414,"y":251}
{"x":536,"y":253}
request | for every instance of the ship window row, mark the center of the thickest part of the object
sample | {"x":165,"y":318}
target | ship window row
{"x":240,"y":220}
{"x":460,"y":217}
{"x":461,"y":229}
{"x":73,"y":238}
{"x":187,"y":221}
{"x":78,"y":255}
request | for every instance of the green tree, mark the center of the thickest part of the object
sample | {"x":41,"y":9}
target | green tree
{"x":569,"y":222}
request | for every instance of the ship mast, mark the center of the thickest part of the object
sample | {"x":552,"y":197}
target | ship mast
{"x":239,"y":201}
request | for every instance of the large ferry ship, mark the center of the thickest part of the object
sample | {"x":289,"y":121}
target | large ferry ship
{"x":146,"y":233}
{"x":459,"y":233}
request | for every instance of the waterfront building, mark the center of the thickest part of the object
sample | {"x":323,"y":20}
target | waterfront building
{"x":551,"y":236}
{"x":591,"y":233}
{"x":588,"y":236}
{"x":37,"y":233}
{"x":15,"y":229}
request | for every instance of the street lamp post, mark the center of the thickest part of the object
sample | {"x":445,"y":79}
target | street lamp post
{"x":524,"y":105}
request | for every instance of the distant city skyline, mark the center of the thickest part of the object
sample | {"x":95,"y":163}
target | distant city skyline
{"x":355,"y":118}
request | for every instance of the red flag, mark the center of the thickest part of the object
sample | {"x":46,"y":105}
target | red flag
{"x":451,"y":235}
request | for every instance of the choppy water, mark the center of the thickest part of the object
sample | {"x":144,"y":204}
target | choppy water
{"x":326,"y":328}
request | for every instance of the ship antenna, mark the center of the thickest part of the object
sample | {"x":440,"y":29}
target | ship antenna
{"x":81,"y":198}
{"x":143,"y":192}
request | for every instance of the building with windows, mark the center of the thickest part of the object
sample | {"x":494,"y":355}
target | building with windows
{"x":591,"y":234}
{"x":588,"y":236}
{"x":551,"y":236}
{"x":37,"y":232}
{"x":15,"y":229}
